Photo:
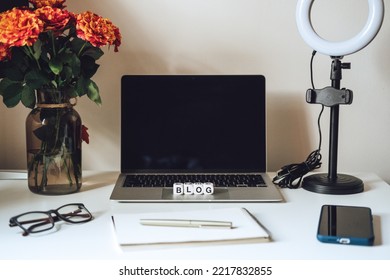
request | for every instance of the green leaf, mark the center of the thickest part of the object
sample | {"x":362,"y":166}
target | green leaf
{"x":14,"y":73}
{"x":88,"y":66}
{"x":93,"y":92}
{"x":89,"y":87}
{"x":56,"y":66}
{"x":94,"y":52}
{"x":78,"y":45}
{"x":11,"y":93}
{"x":44,"y":54}
{"x":37,"y":47}
{"x":81,"y":86}
{"x":4,"y":83}
{"x":28,"y":97}
{"x":20,"y":60}
{"x":36,"y":79}
{"x":66,"y":74}
{"x":70,"y":59}
{"x":76,"y":65}
{"x":14,"y":69}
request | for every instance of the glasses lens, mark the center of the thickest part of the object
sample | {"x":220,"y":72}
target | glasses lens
{"x":35,"y":222}
{"x":74,"y":213}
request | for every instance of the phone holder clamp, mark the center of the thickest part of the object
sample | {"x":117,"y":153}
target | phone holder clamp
{"x":329,"y":96}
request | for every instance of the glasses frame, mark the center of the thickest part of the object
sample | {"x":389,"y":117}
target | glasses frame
{"x":50,"y":218}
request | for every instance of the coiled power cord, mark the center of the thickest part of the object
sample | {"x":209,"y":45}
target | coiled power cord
{"x":290,"y":176}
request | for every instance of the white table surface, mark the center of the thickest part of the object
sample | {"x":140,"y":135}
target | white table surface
{"x":292,"y":224}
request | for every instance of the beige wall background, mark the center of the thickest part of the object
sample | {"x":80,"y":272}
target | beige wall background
{"x":235,"y":37}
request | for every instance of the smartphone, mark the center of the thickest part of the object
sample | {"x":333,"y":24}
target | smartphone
{"x":350,"y":225}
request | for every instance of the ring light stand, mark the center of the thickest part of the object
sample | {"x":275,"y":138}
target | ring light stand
{"x":333,"y":96}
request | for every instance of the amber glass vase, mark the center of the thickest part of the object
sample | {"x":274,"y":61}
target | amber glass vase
{"x":53,"y":138}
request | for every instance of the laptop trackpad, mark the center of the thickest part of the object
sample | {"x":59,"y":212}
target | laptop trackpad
{"x":219,"y":193}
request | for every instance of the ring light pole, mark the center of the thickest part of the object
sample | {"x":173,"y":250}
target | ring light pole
{"x":333,"y":96}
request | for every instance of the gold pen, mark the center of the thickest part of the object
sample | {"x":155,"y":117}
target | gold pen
{"x":186,"y":223}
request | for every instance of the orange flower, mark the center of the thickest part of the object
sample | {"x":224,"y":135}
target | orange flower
{"x":97,"y":30}
{"x":52,"y":3}
{"x":4,"y":52}
{"x":55,"y":19}
{"x":59,"y":47}
{"x":19,"y":28}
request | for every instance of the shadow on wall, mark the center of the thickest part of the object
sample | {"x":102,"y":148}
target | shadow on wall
{"x":288,"y":138}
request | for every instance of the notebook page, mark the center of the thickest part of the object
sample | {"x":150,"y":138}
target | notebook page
{"x":129,"y":231}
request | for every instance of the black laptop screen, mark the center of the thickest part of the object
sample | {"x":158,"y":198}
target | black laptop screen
{"x":203,"y":123}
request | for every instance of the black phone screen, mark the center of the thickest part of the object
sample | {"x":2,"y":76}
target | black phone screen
{"x":346,"y":225}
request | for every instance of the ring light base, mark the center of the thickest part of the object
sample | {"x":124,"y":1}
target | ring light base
{"x":342,"y":184}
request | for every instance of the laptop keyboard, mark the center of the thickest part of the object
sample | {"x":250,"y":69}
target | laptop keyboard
{"x":219,"y":180}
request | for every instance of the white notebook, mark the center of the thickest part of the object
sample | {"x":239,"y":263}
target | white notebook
{"x":245,"y":228}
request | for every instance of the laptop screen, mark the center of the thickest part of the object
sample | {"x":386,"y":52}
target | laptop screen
{"x":186,"y":123}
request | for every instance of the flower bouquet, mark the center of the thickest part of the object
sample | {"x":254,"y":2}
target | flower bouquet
{"x":47,"y":59}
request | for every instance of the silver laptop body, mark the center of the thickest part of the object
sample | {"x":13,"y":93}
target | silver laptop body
{"x":195,"y":128}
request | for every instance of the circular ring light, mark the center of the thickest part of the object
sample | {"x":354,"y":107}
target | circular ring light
{"x":361,"y":40}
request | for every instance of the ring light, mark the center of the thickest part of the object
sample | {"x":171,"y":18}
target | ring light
{"x":361,"y":40}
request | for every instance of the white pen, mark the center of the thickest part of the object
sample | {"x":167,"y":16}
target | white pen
{"x":185,"y":223}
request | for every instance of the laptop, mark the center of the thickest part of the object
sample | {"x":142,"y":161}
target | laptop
{"x":193,"y":130}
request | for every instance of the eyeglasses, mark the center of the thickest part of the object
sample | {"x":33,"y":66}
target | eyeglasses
{"x":38,"y":221}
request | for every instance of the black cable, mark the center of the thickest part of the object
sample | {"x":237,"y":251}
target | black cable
{"x":290,"y":176}
{"x":311,"y":69}
{"x":322,"y":106}
{"x":292,"y":172}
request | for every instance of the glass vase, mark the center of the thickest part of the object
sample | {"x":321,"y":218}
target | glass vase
{"x":53,"y":139}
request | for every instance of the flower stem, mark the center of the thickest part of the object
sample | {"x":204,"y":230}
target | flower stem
{"x":82,"y":48}
{"x":30,"y":53}
{"x":52,"y":43}
{"x":66,"y":155}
